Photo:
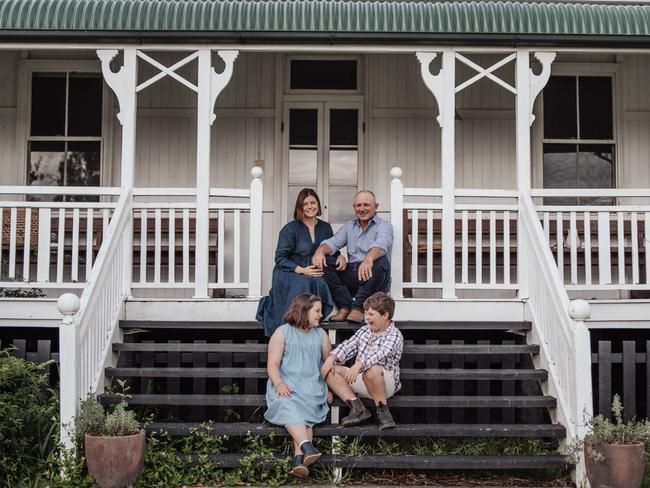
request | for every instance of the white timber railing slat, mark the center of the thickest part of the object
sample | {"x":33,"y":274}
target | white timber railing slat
{"x":75,"y":245}
{"x":635,"y":248}
{"x":27,"y":242}
{"x":464,"y":248}
{"x":157,"y":245}
{"x":621,"y":248}
{"x":506,"y":247}
{"x":186,"y":246}
{"x":171,"y":246}
{"x":587,"y":237}
{"x":12,"y":242}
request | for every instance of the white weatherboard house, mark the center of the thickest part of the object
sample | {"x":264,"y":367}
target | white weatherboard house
{"x":151,"y":150}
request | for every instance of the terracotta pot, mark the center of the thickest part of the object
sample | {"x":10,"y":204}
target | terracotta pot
{"x":115,"y":462}
{"x":622,"y":468}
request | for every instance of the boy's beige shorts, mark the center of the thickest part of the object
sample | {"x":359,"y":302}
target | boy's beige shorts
{"x":359,"y":387}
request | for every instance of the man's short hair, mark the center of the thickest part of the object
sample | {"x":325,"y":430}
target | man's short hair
{"x":365,"y":191}
{"x":380,"y":302}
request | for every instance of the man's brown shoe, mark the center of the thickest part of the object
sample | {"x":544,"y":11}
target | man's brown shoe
{"x":358,"y":413}
{"x":340,"y":316}
{"x":355,"y":316}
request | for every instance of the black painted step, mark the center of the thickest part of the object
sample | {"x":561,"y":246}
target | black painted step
{"x":402,"y":430}
{"x":397,"y":401}
{"x":406,"y":325}
{"x":414,"y":462}
{"x":408,"y":348}
{"x":406,"y":374}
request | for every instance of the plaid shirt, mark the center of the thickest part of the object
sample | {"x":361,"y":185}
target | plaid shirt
{"x":384,"y":349}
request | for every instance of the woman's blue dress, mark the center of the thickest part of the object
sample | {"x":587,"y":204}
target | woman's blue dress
{"x":295,"y":248}
{"x":300,"y":371}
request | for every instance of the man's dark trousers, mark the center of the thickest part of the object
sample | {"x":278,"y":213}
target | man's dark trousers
{"x":350,"y":293}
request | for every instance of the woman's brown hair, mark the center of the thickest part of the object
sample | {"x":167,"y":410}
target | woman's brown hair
{"x":298,"y":313}
{"x":304,"y":193}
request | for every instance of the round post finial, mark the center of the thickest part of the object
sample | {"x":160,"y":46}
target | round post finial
{"x":257,"y":172}
{"x":68,"y":304}
{"x":396,"y":172}
{"x":579,"y":309}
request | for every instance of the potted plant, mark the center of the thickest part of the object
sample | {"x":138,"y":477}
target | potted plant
{"x":114,"y":443}
{"x":614,"y":450}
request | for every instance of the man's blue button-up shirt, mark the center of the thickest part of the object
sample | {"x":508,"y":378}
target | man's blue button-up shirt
{"x":379,"y":233}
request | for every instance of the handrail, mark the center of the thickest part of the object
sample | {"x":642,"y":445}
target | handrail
{"x":90,"y":322}
{"x":565,"y":349}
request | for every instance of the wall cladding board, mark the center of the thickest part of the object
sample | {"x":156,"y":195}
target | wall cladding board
{"x":8,"y":77}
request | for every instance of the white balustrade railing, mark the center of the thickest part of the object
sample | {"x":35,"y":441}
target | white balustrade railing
{"x":165,"y":238}
{"x":90,"y":323}
{"x":565,"y":347}
{"x":484,"y":239}
{"x":599,"y":247}
{"x":51,"y":244}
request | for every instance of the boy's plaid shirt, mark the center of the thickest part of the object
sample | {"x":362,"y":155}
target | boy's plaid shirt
{"x":384,"y":349}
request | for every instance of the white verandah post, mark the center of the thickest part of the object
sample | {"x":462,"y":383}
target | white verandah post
{"x":68,"y":305}
{"x":123,"y":83}
{"x":210,"y":85}
{"x":443,"y":88}
{"x":528,"y":86}
{"x":396,"y":218}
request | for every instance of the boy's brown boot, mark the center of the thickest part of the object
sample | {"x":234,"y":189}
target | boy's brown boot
{"x":355,"y":316}
{"x":385,"y":418}
{"x":358,"y":413}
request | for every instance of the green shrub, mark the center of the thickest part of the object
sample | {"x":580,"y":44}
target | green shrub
{"x":29,"y":426}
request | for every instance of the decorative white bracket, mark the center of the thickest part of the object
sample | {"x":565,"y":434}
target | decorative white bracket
{"x":219,"y":81}
{"x":538,"y":82}
{"x":433,"y":82}
{"x":120,"y":81}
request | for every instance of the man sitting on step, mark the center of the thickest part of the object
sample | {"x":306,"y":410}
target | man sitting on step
{"x":369,"y":240}
{"x":378,"y":347}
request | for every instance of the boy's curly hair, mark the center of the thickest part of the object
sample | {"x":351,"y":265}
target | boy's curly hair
{"x":380,"y":302}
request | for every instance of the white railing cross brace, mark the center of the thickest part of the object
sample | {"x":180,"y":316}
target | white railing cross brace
{"x":167,"y":71}
{"x":486,"y":72}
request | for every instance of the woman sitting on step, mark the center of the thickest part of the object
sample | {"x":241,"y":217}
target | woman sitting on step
{"x":296,"y":394}
{"x":293,"y":272}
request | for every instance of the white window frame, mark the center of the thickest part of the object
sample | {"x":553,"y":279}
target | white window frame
{"x":26,"y":70}
{"x":323,"y":57}
{"x":611,"y":70}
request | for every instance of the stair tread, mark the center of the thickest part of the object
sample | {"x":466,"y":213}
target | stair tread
{"x":405,"y":325}
{"x":415,"y":462}
{"x":397,"y":401}
{"x":402,"y":430}
{"x":421,"y":374}
{"x":261,"y":347}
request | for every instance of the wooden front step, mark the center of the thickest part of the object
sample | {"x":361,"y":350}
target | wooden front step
{"x":406,"y":374}
{"x":398,"y":401}
{"x":454,"y":462}
{"x":425,"y":325}
{"x":553,"y":431}
{"x":261,"y":348}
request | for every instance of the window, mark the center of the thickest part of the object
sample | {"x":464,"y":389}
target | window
{"x":323,"y":74}
{"x":64,"y":143}
{"x":578,"y":143}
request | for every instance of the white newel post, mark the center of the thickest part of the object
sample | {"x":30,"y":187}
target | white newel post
{"x":397,"y":219}
{"x":443,"y":88}
{"x":255,"y":241}
{"x":124,"y":84}
{"x":579,"y":310}
{"x":210,"y":85}
{"x":528,"y":85}
{"x":68,"y":305}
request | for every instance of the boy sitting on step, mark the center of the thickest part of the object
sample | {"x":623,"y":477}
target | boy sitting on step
{"x":378,"y":347}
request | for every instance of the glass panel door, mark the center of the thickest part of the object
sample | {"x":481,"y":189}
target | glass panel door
{"x":323,"y":152}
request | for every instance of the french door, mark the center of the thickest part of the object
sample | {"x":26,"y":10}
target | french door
{"x":323,"y":151}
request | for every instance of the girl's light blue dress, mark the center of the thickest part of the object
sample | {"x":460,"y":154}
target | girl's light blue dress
{"x":300,"y":371}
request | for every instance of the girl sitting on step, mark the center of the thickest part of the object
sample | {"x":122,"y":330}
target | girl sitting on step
{"x":296,"y":394}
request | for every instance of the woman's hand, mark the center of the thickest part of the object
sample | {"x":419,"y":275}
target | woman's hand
{"x":311,"y":271}
{"x":330,"y":397}
{"x":341,"y":263}
{"x":352,"y":373}
{"x":283,"y":390}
